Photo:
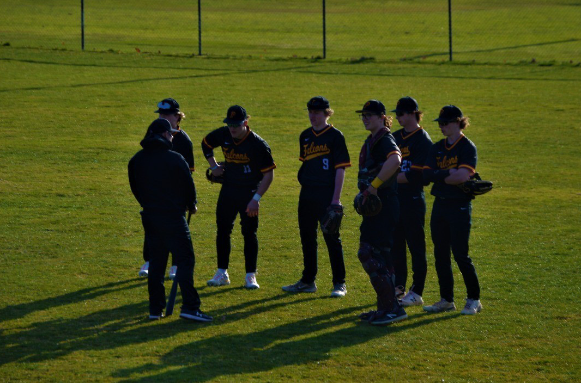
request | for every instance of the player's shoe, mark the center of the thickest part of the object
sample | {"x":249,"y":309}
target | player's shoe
{"x":172,"y":272}
{"x":195,"y":315}
{"x":399,"y":292}
{"x":388,"y":317}
{"x":472,"y":307}
{"x":339,"y":290}
{"x":144,"y":271}
{"x":301,"y":287}
{"x":221,"y":278}
{"x":441,"y":306}
{"x":411,"y":299}
{"x":250,"y":281}
{"x":156,"y":316}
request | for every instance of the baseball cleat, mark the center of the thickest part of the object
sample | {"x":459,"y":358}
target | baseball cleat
{"x":172,"y":272}
{"x":472,"y":307}
{"x":195,"y":315}
{"x":411,"y":299}
{"x":441,"y":306}
{"x":221,"y":278}
{"x":339,"y":290}
{"x":368,"y":315}
{"x":388,"y":317}
{"x":156,"y":316}
{"x":144,"y":271}
{"x":250,"y":281}
{"x":301,"y":287}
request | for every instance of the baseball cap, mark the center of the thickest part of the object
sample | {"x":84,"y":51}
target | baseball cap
{"x":318,"y":103}
{"x":235,"y":115}
{"x":406,"y":105}
{"x":168,"y":106}
{"x":449,"y":113}
{"x":161,"y":125}
{"x":373,"y":106}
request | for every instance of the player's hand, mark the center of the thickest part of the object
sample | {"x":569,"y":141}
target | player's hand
{"x":193,"y":210}
{"x":452,"y":171}
{"x":252,"y":208}
{"x":218,"y":171}
{"x":372,"y":190}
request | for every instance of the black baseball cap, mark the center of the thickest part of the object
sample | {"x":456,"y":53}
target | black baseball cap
{"x":318,"y":103}
{"x":406,"y":105}
{"x":373,"y":106}
{"x":161,"y":125}
{"x":235,"y":115}
{"x":168,"y":106}
{"x":449,"y":113}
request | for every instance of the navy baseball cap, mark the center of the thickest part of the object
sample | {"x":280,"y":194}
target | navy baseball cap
{"x":372,"y":106}
{"x":161,"y":125}
{"x":406,"y":105}
{"x":449,"y":113}
{"x":235,"y":115}
{"x":318,"y":103}
{"x":168,"y":106}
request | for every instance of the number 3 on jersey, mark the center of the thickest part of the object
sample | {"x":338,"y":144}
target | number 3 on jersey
{"x":247,"y":169}
{"x":325,"y":164}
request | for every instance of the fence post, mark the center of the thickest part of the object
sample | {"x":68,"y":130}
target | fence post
{"x":83,"y":24}
{"x":450,"y":26}
{"x":324,"y":31}
{"x":199,"y":27}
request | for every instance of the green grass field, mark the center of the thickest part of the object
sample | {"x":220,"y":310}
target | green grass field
{"x":73,"y":309}
{"x":498,"y":31}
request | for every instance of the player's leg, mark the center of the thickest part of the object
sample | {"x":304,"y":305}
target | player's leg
{"x":249,"y":228}
{"x":308,"y":224}
{"x":157,"y":263}
{"x":226,"y":212}
{"x":415,"y":237}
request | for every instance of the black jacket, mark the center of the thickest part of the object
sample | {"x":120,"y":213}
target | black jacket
{"x":160,"y":179}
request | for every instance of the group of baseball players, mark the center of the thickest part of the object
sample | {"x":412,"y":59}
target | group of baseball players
{"x":393,"y":170}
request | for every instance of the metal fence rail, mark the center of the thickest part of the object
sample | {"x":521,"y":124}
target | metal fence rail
{"x":491,"y":31}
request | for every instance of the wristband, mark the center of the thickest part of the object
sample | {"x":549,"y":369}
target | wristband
{"x":214,"y":167}
{"x":376,"y":183}
{"x":257,"y":197}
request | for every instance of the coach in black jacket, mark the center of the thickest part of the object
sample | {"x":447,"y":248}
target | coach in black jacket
{"x":161,"y":182}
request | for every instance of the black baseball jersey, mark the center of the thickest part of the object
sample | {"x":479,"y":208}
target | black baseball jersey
{"x":414,"y":147}
{"x":321,"y":154}
{"x":375,"y":151}
{"x":441,"y":158}
{"x":245,"y":160}
{"x":183,"y":145}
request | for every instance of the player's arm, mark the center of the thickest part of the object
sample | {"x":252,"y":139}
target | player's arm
{"x":339,"y":180}
{"x":402,"y":179}
{"x":390,"y":166}
{"x":254,"y":204}
{"x":458,"y":176}
{"x":466,"y":167}
{"x":210,"y":142}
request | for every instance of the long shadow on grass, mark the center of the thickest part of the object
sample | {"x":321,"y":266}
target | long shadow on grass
{"x":165,"y":78}
{"x":21,"y":310}
{"x":306,"y":341}
{"x":445,"y":54}
{"x":110,"y":329}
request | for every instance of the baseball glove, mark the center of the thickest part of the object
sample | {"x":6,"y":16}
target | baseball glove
{"x":476,"y":186}
{"x":367,"y":204}
{"x":331,"y":222}
{"x":215,"y":179}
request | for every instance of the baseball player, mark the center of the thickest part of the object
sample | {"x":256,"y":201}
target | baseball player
{"x":324,"y":157}
{"x":248,"y":171}
{"x":162,"y":184}
{"x":451,"y":162}
{"x":169,"y":109}
{"x":379,"y":163}
{"x":414,"y":143}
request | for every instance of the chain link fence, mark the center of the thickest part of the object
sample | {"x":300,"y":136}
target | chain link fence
{"x":432,"y":30}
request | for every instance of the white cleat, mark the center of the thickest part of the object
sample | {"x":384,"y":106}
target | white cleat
{"x":144,"y":271}
{"x":472,"y":307}
{"x":250,"y":282}
{"x":412,"y":299}
{"x":221,"y":278}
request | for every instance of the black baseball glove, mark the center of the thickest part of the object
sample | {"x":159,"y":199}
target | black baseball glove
{"x":367,"y":204}
{"x":331,"y":222}
{"x":476,"y":186}
{"x":215,"y":179}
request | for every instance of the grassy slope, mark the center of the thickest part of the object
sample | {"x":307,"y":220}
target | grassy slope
{"x":72,"y":307}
